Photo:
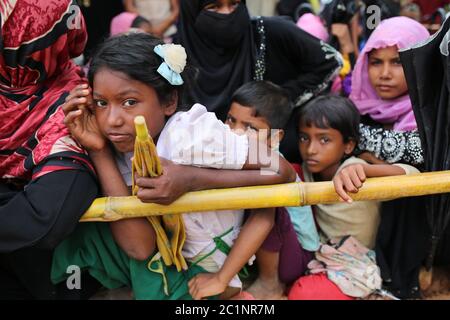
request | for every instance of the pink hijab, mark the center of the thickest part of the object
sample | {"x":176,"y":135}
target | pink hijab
{"x":122,"y":23}
{"x":402,"y":32}
{"x":313,"y":25}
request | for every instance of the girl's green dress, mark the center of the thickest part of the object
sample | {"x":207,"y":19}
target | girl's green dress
{"x":92,"y":248}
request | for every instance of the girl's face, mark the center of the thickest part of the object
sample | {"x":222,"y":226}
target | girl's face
{"x":118,"y":100}
{"x":386,"y":73}
{"x":223,"y":6}
{"x":322,"y":150}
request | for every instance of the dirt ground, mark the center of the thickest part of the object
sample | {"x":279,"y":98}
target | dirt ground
{"x":440,"y":285}
{"x":439,"y":289}
{"x":441,"y":296}
{"x":125,"y":294}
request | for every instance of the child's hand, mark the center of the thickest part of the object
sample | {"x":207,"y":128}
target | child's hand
{"x":80,"y":119}
{"x":206,"y":285}
{"x":349,"y":179}
{"x":167,"y":188}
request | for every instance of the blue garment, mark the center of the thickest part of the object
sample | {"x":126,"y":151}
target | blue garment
{"x":303,"y":221}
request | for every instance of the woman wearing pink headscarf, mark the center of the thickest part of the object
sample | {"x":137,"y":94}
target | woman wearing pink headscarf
{"x":313,"y":25}
{"x":127,"y":21}
{"x":380,"y":92}
{"x":379,"y":86}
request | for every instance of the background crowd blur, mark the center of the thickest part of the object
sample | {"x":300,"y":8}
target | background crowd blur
{"x":163,"y":14}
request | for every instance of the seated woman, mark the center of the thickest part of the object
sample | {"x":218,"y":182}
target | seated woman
{"x":162,"y":15}
{"x":380,"y":92}
{"x":46,"y":179}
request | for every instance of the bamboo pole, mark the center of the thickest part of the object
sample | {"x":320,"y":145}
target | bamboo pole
{"x":283,"y":195}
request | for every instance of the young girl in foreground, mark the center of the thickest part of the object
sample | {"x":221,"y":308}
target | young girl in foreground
{"x":328,"y":134}
{"x":136,"y":75}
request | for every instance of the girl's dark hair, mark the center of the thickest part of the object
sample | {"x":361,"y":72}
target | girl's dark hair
{"x":334,"y":112}
{"x":132,"y":54}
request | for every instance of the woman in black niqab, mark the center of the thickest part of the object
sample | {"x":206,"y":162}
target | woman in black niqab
{"x":221,"y":47}
{"x":229,"y":49}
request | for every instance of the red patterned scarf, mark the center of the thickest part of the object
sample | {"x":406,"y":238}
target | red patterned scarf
{"x":38,"y":39}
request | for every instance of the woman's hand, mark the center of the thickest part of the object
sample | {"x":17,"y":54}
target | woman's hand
{"x":206,"y":285}
{"x":349,"y":179}
{"x":165,"y":189}
{"x":80,"y":119}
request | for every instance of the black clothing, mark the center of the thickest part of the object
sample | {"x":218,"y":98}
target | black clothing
{"x":33,"y":221}
{"x":272,"y":49}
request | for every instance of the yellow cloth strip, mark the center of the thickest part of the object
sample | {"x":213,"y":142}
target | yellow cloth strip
{"x":169,"y":229}
{"x":291,"y":194}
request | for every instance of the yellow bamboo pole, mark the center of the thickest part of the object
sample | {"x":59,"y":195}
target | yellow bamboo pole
{"x":283,"y":195}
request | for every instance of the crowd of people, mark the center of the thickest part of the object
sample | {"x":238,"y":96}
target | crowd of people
{"x":318,"y":87}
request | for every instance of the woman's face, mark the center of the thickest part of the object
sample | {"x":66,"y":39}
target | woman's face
{"x":223,"y":6}
{"x":386,"y":73}
{"x":118,"y":100}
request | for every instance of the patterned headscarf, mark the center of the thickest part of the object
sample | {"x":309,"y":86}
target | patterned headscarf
{"x":38,"y":39}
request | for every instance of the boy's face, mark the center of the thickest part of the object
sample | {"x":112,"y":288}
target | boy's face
{"x":243,"y":120}
{"x":322,"y":150}
{"x":118,"y":100}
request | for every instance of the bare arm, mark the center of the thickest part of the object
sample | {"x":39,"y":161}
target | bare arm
{"x":342,"y":32}
{"x":352,"y":177}
{"x":251,"y":237}
{"x":370,"y":158}
{"x":135,"y":236}
{"x":160,"y":29}
{"x":178,"y":179}
{"x":129,"y":6}
{"x":383,"y":170}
